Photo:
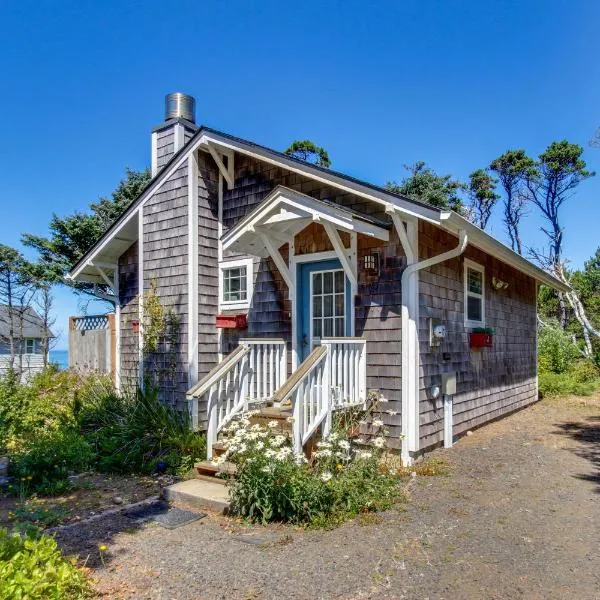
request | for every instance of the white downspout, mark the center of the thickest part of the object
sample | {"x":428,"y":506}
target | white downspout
{"x":410,"y":339}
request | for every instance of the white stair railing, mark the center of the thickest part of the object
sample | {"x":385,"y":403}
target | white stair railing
{"x":333,"y":376}
{"x":251,"y":373}
{"x":348,"y":357}
{"x":267,"y":367}
{"x":308,"y":389}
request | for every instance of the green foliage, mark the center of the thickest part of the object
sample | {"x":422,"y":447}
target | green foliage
{"x":44,"y":463}
{"x":72,"y":236}
{"x":40,"y":516}
{"x":309,"y":152}
{"x":62,"y":423}
{"x":272,"y":484}
{"x":135,"y":434}
{"x":565,"y":384}
{"x":556,"y":351}
{"x":585,"y":371}
{"x":33,"y":568}
{"x":482,"y":192}
{"x":47,"y":403}
{"x":426,"y":185}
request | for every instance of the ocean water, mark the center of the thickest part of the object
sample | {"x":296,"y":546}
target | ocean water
{"x":61,"y":357}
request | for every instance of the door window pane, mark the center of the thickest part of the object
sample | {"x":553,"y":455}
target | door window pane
{"x":317,"y":306}
{"x":328,"y":304}
{"x":317,"y":283}
{"x":317,"y":328}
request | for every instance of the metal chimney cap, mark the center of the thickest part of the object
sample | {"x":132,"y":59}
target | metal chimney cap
{"x":180,"y":106}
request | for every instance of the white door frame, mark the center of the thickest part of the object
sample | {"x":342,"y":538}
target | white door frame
{"x":296,"y":260}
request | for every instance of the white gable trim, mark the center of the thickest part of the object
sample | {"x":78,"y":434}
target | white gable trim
{"x":446,"y":219}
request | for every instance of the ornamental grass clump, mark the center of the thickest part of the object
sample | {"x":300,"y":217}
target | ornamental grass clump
{"x":272,"y":483}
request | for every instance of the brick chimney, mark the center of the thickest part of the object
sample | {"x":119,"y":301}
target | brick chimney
{"x":178,"y":128}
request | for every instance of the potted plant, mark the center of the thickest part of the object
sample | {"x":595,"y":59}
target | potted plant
{"x":481,"y":337}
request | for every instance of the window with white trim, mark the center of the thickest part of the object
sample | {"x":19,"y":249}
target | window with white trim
{"x":29,"y":346}
{"x":474,"y":294}
{"x":235,"y":283}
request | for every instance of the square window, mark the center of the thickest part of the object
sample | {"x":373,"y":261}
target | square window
{"x":236,"y":282}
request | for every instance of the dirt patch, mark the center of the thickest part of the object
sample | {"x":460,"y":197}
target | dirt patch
{"x":517,"y":517}
{"x":92,"y":493}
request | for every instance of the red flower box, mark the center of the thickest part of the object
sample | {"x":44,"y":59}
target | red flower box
{"x":481,"y":340}
{"x":232,"y":321}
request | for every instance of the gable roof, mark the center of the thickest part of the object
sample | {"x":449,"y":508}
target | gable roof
{"x":405,"y":205}
{"x":33,"y":325}
{"x":285,"y":212}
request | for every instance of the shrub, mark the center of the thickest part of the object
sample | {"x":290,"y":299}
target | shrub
{"x":556,"y":351}
{"x":585,"y":371}
{"x":273,"y":484}
{"x":565,"y":384}
{"x":33,"y":567}
{"x":44,"y":464}
{"x":47,"y":403}
{"x":137,"y":434}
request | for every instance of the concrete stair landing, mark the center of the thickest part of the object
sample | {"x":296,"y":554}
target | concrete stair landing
{"x":199,"y":493}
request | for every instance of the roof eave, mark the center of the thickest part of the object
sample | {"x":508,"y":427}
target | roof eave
{"x":484,"y":241}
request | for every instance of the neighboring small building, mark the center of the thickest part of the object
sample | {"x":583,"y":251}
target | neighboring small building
{"x":275,"y":266}
{"x":30,"y":337}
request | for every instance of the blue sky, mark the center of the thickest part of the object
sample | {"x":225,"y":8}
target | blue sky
{"x":379,"y":84}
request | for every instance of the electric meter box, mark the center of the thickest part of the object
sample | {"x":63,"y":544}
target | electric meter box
{"x":448,"y":384}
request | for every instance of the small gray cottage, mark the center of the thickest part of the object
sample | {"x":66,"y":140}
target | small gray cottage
{"x":305,"y":287}
{"x":29,"y":338}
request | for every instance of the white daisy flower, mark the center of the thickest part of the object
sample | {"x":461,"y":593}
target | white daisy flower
{"x":379,"y":442}
{"x":326,"y":476}
{"x":272,"y":424}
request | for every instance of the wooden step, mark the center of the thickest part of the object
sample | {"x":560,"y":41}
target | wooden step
{"x":207,"y":467}
{"x":218,"y":449}
{"x":279,"y":415}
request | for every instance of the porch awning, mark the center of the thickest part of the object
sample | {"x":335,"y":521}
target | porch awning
{"x":284,"y":213}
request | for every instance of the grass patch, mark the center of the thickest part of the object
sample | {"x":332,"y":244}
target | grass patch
{"x":428,"y":467}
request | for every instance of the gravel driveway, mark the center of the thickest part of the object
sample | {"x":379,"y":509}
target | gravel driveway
{"x":518,"y":518}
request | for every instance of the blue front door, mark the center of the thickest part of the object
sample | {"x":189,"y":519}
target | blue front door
{"x":323,"y":303}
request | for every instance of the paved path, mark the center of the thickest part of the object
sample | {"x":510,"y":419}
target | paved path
{"x":518,"y":518}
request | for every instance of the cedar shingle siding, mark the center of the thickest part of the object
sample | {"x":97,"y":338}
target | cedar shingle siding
{"x":128,"y":298}
{"x":491,"y":382}
{"x":165,"y":260}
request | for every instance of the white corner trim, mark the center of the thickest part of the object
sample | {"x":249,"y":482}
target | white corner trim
{"x":141,"y":296}
{"x":178,"y":137}
{"x":474,"y":266}
{"x":117,"y":329}
{"x":154,"y":154}
{"x":231,"y":264}
{"x":192,"y":336}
